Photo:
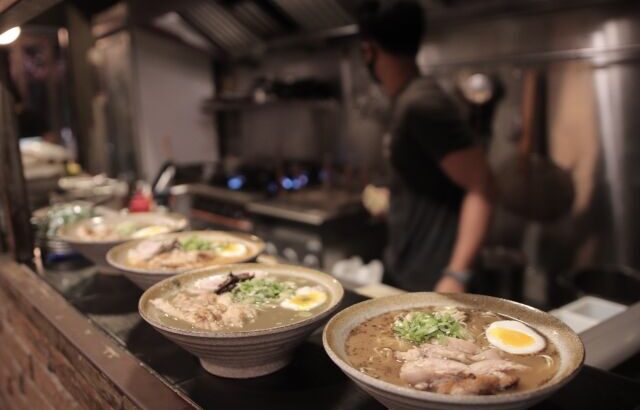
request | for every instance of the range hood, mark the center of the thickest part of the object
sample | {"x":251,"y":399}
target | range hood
{"x":448,"y":11}
{"x":236,"y":28}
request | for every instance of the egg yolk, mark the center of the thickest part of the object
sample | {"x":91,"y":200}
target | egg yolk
{"x":231,"y":247}
{"x":304,"y":300}
{"x":512,"y":337}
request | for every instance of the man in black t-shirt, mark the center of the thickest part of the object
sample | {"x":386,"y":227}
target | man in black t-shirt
{"x":439,"y":207}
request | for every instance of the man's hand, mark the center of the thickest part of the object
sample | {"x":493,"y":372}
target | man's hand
{"x":447,"y":284}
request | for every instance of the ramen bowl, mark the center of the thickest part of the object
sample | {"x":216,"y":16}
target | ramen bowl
{"x":47,"y":221}
{"x":145,"y":276}
{"x":569,"y":347}
{"x":240,"y":353}
{"x":95,"y":248}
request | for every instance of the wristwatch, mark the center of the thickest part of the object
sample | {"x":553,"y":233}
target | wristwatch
{"x":462,"y":276}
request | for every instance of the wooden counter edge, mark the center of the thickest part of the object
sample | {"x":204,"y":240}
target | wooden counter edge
{"x":121,"y":370}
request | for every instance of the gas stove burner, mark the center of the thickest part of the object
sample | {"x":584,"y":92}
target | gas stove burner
{"x":270,"y":179}
{"x":295,"y":183}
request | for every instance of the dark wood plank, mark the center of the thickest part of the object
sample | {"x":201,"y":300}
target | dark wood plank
{"x":19,"y":12}
{"x":24,"y":386}
{"x":5,"y":4}
{"x":42,"y":348}
{"x":92,"y":367}
{"x":36,"y":372}
{"x":13,"y":186}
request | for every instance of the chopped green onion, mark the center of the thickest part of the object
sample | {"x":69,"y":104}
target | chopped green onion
{"x":260,"y":291}
{"x":420,"y":327}
{"x":195,"y":243}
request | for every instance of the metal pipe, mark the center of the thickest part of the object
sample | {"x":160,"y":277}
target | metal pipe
{"x":590,"y":53}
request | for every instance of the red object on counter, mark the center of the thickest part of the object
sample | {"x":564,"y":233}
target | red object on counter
{"x":140,"y":203}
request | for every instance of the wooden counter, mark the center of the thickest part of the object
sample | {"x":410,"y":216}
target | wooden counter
{"x":54,"y":358}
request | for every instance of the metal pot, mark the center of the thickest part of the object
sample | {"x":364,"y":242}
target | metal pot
{"x":616,"y":283}
{"x":530,"y":184}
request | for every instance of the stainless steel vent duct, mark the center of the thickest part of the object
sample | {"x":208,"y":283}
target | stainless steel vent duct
{"x":254,"y":17}
{"x":313,"y":15}
{"x":447,"y":11}
{"x":221,"y":26}
{"x":173,"y":23}
{"x":237,"y":27}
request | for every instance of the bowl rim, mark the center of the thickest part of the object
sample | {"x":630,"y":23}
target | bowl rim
{"x":40,"y":215}
{"x":223,"y":269}
{"x":64,"y":233}
{"x":426,"y":396}
{"x":42,"y":212}
{"x":255,"y":241}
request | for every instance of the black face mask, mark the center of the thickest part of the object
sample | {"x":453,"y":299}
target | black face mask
{"x":371,"y":67}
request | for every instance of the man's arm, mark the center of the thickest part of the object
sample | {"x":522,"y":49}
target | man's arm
{"x":469,"y":169}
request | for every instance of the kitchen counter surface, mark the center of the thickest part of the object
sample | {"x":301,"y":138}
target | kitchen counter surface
{"x":312,"y":381}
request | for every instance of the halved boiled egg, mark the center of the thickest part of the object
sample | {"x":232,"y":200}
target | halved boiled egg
{"x":514,"y":337}
{"x":231,"y":249}
{"x":150,"y":231}
{"x":304,"y":299}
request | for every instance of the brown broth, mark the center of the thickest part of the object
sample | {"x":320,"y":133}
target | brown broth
{"x":371,"y":344}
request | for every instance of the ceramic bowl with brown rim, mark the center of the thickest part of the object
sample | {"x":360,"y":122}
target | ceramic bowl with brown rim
{"x":94,"y":237}
{"x":226,"y":248}
{"x":256,"y":350}
{"x":48,"y":220}
{"x":396,"y":397}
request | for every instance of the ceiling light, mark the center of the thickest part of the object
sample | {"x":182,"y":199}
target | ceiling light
{"x":9,"y":36}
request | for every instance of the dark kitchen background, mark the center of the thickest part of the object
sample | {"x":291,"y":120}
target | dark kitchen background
{"x":260,"y":116}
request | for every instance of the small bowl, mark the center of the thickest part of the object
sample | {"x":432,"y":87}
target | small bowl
{"x":568,"y":344}
{"x":47,"y":228}
{"x":96,"y":250}
{"x":243,"y":354}
{"x":144,"y":278}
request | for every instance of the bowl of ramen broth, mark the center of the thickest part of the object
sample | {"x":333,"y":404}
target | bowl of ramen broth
{"x":367,"y":342}
{"x":241,"y":320}
{"x":178,"y":252}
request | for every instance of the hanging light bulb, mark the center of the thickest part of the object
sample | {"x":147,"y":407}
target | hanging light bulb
{"x":9,"y":36}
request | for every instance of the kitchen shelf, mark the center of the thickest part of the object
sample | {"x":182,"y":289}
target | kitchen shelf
{"x":306,"y":38}
{"x":295,"y":40}
{"x":227,"y":105}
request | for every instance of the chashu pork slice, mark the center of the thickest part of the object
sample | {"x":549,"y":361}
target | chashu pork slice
{"x":489,"y":354}
{"x":461,"y":345}
{"x":429,"y":370}
{"x":433,"y":351}
{"x":495,"y":365}
{"x":501,"y":369}
{"x":469,"y":385}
